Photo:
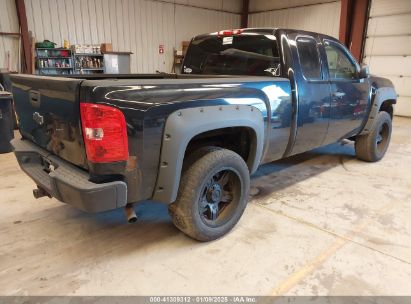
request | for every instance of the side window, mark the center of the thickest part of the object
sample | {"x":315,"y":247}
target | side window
{"x":309,"y":58}
{"x":340,"y":66}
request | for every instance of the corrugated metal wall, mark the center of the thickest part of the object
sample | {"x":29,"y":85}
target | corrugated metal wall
{"x":265,"y":5}
{"x":9,"y":45}
{"x":139,"y":26}
{"x":233,"y":6}
{"x":388,"y":47}
{"x":323,"y":17}
{"x":193,"y":21}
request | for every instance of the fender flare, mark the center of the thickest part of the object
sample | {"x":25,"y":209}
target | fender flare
{"x":183,"y":125}
{"x":382,"y":94}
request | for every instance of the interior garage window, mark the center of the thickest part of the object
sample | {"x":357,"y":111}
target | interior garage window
{"x":309,"y":58}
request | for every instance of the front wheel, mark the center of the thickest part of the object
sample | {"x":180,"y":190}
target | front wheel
{"x":212,"y":196}
{"x":372,"y":146}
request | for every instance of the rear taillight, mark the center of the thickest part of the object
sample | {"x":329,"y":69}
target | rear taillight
{"x":104,"y":133}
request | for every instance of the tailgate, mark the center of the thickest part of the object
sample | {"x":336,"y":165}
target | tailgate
{"x":48,"y":112}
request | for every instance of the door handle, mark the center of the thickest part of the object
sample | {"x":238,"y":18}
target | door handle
{"x":34,"y":99}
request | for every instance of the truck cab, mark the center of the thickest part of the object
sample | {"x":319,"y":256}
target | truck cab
{"x":331,"y":92}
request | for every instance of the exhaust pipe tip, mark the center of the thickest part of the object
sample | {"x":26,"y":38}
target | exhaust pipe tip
{"x":130,"y":214}
{"x":132,"y":219}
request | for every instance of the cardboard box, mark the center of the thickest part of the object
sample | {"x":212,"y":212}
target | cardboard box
{"x":106,"y":47}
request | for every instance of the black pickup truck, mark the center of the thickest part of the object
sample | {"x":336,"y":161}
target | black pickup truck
{"x":245,"y":97}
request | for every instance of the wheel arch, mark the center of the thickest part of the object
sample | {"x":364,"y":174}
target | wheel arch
{"x":241,"y":140}
{"x":387,"y":106}
{"x":184,"y":125}
{"x":384,"y":99}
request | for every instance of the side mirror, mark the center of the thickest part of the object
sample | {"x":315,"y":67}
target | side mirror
{"x":364,"y":71}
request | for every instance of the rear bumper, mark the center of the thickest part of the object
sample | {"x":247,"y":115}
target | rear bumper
{"x":66,"y":182}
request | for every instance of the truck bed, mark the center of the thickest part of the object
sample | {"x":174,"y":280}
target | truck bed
{"x":49,"y":112}
{"x":145,"y":76}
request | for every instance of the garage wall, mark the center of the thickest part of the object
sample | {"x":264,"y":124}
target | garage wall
{"x":139,"y":26}
{"x":9,"y":45}
{"x":318,"y":16}
{"x":388,"y":47}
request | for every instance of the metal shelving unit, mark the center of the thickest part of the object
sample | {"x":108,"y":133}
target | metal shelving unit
{"x":88,"y":63}
{"x":60,"y":61}
{"x":54,"y":61}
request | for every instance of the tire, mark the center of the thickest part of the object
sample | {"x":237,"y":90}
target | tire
{"x":212,"y":195}
{"x":371,"y":147}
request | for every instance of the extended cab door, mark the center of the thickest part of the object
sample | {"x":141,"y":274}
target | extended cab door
{"x":312,"y":91}
{"x":349,"y":94}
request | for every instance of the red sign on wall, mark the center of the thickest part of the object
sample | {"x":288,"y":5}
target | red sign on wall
{"x":161,"y":49}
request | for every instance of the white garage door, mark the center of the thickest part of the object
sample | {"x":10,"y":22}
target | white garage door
{"x":388,"y":47}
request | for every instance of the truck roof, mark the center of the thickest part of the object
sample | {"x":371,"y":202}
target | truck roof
{"x":260,"y":31}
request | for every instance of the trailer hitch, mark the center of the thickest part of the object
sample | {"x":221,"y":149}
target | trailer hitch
{"x":40,"y":192}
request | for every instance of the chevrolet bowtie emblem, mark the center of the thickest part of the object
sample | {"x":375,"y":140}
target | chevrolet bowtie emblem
{"x":38,"y":118}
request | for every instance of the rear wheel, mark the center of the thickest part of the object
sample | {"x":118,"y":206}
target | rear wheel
{"x":372,"y":146}
{"x":212,"y":196}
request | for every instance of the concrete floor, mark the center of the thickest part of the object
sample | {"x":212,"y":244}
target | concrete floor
{"x":321,"y":223}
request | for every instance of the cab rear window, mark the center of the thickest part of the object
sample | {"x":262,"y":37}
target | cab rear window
{"x":244,"y":54}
